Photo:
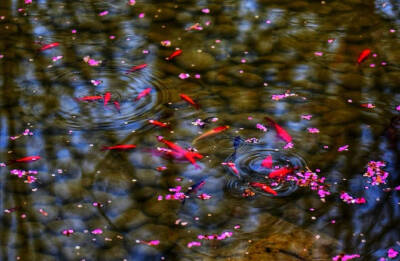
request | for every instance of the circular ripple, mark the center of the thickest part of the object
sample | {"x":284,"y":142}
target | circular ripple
{"x":248,"y":159}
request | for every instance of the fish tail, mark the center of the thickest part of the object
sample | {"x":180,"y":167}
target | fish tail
{"x":269,"y":120}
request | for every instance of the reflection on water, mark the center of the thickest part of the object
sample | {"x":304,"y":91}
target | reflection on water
{"x":294,"y":61}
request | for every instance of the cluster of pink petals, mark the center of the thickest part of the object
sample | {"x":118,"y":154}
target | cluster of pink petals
{"x":184,"y":75}
{"x":313,"y":130}
{"x":345,"y":257}
{"x":277,"y":97}
{"x":103,"y":13}
{"x":223,"y":236}
{"x":343,"y":148}
{"x":306,"y":117}
{"x":56,"y":58}
{"x":132,"y":2}
{"x":25,"y":133}
{"x":97,"y":231}
{"x":398,"y":108}
{"x":28,"y":2}
{"x":261,"y":127}
{"x":178,"y":195}
{"x":193,"y":243}
{"x":205,"y":10}
{"x":392,"y":253}
{"x":252,"y":140}
{"x":27,"y":174}
{"x":198,"y":122}
{"x":96,"y":82}
{"x":311,"y":180}
{"x":91,"y":62}
{"x":67,"y":232}
{"x":288,"y":145}
{"x":374,"y":171}
{"x":350,"y":200}
{"x":152,"y":243}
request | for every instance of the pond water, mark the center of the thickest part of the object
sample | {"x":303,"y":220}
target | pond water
{"x":297,"y":102}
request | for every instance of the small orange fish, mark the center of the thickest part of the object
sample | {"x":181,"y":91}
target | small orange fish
{"x":26,"y":159}
{"x":190,"y":156}
{"x":158,"y":123}
{"x":212,"y":132}
{"x":90,"y":98}
{"x":284,"y":135}
{"x":143,"y":93}
{"x":267,"y":162}
{"x":49,"y":46}
{"x":137,"y":67}
{"x":279,"y":173}
{"x":174,"y":54}
{"x":264,"y":187}
{"x":119,"y":147}
{"x":363,"y":55}
{"x":107,"y":98}
{"x":189,"y":100}
{"x":232,"y":165}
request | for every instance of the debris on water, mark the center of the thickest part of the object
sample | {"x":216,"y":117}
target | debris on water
{"x":350,"y":200}
{"x":103,"y":13}
{"x":344,"y":257}
{"x":261,"y":127}
{"x":91,"y":62}
{"x":184,"y":76}
{"x":343,"y":148}
{"x":306,"y":117}
{"x":392,"y":253}
{"x":56,"y":58}
{"x":377,"y":175}
{"x":166,"y":43}
{"x":67,"y":232}
{"x":313,"y":130}
{"x":368,"y":105}
{"x":277,"y":97}
{"x":97,"y":231}
{"x":193,"y":243}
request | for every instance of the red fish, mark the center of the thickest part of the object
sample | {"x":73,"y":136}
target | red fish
{"x":267,"y":162}
{"x":90,"y":98}
{"x":264,"y":187}
{"x":212,"y":132}
{"x":363,"y":55}
{"x":280,"y":131}
{"x":119,"y":147}
{"x":49,"y":46}
{"x":107,"y":98}
{"x":280,"y":173}
{"x":143,"y":93}
{"x":174,"y":54}
{"x":117,"y":106}
{"x":137,"y":67}
{"x":189,"y":100}
{"x":232,"y":166}
{"x":158,"y":123}
{"x":190,"y":156}
{"x":27,"y":159}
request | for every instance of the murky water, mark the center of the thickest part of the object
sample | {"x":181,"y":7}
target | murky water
{"x":241,"y":61}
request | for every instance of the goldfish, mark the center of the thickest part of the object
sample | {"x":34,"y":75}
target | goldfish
{"x":264,"y":187}
{"x":284,"y":135}
{"x":189,"y":100}
{"x":158,"y":123}
{"x":232,"y":166}
{"x":174,"y":54}
{"x":143,"y":93}
{"x":190,"y":156}
{"x":119,"y":147}
{"x":90,"y":98}
{"x":26,"y":159}
{"x":49,"y":46}
{"x":136,"y":68}
{"x":280,"y":173}
{"x":363,"y":55}
{"x":107,"y":98}
{"x":212,"y":132}
{"x":267,"y":162}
